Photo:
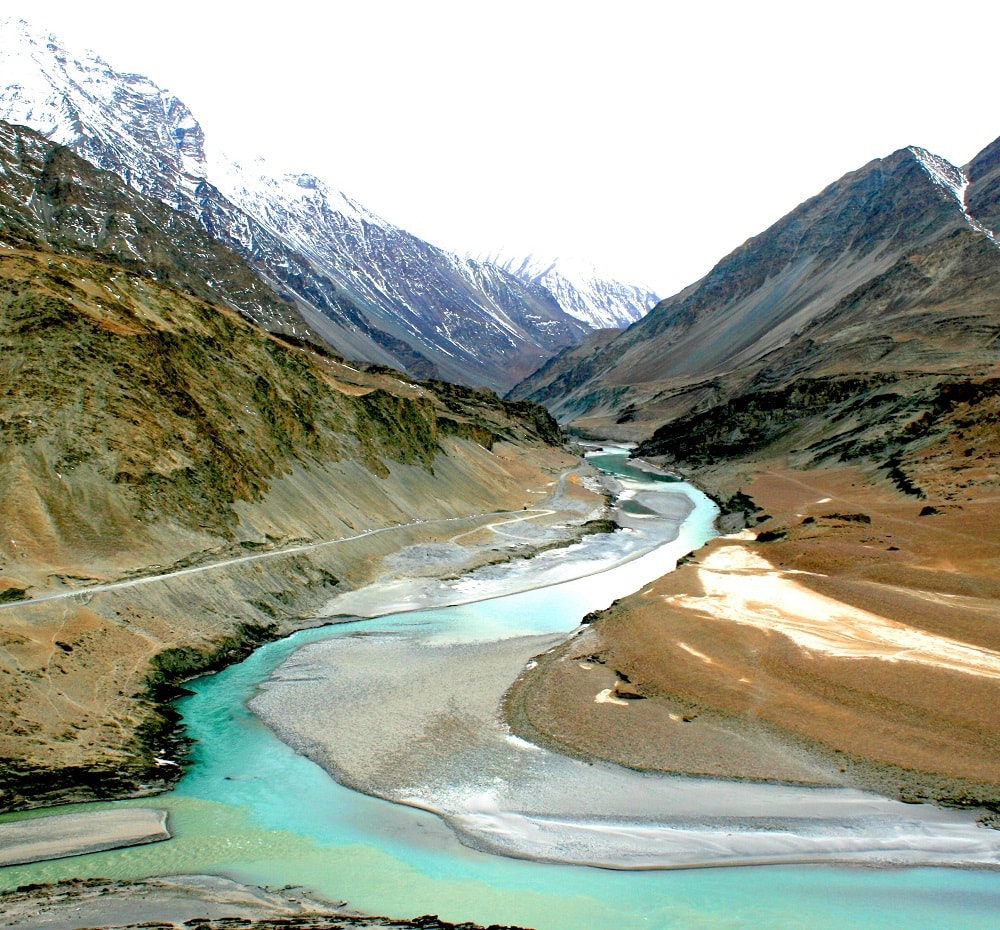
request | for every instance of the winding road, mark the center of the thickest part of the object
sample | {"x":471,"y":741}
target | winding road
{"x":533,"y":513}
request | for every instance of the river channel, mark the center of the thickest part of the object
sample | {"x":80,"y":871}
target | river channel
{"x":254,"y":809}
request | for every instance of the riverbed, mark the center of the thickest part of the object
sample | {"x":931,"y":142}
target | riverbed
{"x":254,"y":809}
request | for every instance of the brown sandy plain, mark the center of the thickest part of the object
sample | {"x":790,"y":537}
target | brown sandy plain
{"x":851,"y":637}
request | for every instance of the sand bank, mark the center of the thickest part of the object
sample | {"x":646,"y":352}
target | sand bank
{"x":64,"y":835}
{"x":741,"y":586}
{"x":856,"y":642}
{"x":183,"y":901}
{"x":416,"y":721}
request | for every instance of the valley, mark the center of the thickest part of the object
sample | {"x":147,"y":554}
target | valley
{"x":833,"y":383}
{"x":338,"y":567}
{"x":239,"y":810}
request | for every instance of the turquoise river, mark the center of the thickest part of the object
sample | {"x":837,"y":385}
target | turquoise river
{"x":253,"y":809}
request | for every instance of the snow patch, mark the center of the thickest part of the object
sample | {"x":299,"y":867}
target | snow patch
{"x":945,"y":175}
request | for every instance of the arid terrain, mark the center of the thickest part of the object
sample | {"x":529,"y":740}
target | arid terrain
{"x":833,"y":382}
{"x":851,"y":637}
{"x":86,"y":670}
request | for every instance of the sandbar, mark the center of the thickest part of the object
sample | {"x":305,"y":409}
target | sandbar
{"x":62,"y":835}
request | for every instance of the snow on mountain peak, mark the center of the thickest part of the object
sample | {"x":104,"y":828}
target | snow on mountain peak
{"x":297,"y":205}
{"x":370,"y":288}
{"x":81,"y":102}
{"x":942,"y":172}
{"x":582,"y":291}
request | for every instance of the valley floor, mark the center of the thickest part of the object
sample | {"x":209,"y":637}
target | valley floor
{"x":851,"y":638}
{"x":855,"y":642}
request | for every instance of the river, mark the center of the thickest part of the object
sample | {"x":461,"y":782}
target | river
{"x":254,"y":809}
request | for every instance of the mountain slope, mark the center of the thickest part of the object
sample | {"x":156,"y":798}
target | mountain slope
{"x":148,"y":427}
{"x":835,"y":383}
{"x":371,"y":290}
{"x":143,"y":430}
{"x":470,"y":321}
{"x":806,"y":297}
{"x":983,"y":193}
{"x":52,"y":198}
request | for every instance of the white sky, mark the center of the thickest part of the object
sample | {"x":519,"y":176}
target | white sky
{"x":650,"y":138}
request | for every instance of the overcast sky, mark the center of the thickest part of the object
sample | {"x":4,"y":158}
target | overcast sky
{"x":649,"y":138}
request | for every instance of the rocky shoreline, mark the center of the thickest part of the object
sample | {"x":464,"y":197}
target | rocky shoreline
{"x":191,"y":902}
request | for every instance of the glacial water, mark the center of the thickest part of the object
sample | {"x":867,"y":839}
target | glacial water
{"x":252,"y":809}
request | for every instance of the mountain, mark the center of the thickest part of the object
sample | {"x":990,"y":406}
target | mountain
{"x":836,"y":333}
{"x":53,"y":199}
{"x":148,"y":425}
{"x":595,"y":299}
{"x":371,"y":290}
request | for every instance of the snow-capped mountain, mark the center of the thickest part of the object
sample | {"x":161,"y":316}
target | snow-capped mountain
{"x":460,"y":313}
{"x":55,"y":200}
{"x":595,"y":299}
{"x":372,"y":290}
{"x":122,"y":122}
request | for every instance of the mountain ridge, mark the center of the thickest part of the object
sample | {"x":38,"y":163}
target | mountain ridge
{"x":762,"y":304}
{"x":595,"y":299}
{"x":371,"y":290}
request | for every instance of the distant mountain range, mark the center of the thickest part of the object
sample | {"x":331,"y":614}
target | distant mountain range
{"x":844,"y":331}
{"x":595,"y":299}
{"x":369,"y":289}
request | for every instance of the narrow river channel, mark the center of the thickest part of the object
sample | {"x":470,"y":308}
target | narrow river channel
{"x":254,"y":809}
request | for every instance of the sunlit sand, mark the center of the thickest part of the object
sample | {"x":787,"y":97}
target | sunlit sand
{"x":742,"y":587}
